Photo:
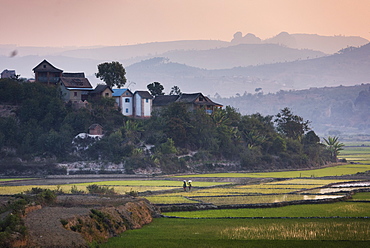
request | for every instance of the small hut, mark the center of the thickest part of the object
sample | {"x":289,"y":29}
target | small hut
{"x":96,"y":129}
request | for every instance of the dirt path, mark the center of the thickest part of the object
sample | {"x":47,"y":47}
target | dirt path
{"x":46,"y":230}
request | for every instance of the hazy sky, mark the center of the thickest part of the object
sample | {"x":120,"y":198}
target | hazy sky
{"x":122,"y":22}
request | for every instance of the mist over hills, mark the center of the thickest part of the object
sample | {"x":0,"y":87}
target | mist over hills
{"x":248,"y":73}
{"x":325,"y":44}
{"x":331,"y":110}
{"x":349,"y":67}
{"x":246,"y":63}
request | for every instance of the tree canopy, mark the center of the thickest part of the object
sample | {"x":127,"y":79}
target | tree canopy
{"x":174,"y":139}
{"x":292,"y":126}
{"x":175,"y":90}
{"x":113,"y":74}
{"x":155,"y":89}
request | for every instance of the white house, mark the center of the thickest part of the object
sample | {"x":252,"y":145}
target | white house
{"x":124,"y":99}
{"x":142,"y":104}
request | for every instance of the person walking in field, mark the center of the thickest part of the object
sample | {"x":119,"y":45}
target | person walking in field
{"x":189,"y":185}
{"x":184,"y":185}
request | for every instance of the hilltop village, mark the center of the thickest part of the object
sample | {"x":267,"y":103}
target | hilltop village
{"x":76,"y":89}
{"x":61,"y":122}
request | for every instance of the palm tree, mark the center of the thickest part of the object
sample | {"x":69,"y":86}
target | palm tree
{"x":334,"y":146}
{"x":253,"y":138}
{"x":132,"y":130}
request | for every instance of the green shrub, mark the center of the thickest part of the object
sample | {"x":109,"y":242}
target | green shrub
{"x":132,"y":193}
{"x":64,"y":222}
{"x":96,"y":189}
{"x":76,"y":191}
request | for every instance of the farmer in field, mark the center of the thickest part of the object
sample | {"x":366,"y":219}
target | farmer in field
{"x":189,"y":184}
{"x":184,"y":185}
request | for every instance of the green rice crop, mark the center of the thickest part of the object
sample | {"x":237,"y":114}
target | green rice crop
{"x":216,"y":233}
{"x":309,"y":230}
{"x":11,"y":190}
{"x":14,"y":179}
{"x":154,"y":183}
{"x":234,"y":200}
{"x":120,"y":187}
{"x":362,"y":196}
{"x":168,"y":199}
{"x":315,"y":182}
{"x":347,"y":169}
{"x":332,"y":190}
{"x":355,"y":149}
{"x":341,"y":209}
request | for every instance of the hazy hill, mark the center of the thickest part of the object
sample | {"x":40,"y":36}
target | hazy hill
{"x":347,"y":68}
{"x":240,"y":55}
{"x":232,"y":67}
{"x":332,"y":110}
{"x":143,"y":50}
{"x":325,"y":44}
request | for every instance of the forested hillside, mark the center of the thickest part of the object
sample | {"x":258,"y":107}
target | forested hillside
{"x":42,"y":129}
{"x":343,"y":109}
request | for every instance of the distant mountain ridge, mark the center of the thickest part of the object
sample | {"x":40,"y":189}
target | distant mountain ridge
{"x":210,"y":66}
{"x":325,"y":44}
{"x":347,"y":68}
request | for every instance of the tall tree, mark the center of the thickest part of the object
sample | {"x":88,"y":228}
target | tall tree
{"x":290,"y":125}
{"x":113,"y":74}
{"x":175,"y":90}
{"x":155,"y":89}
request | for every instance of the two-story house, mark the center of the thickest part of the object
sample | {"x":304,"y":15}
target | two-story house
{"x":75,"y":87}
{"x":192,"y":101}
{"x":142,"y":104}
{"x":124,"y":99}
{"x":138,"y":104}
{"x":47,"y":73}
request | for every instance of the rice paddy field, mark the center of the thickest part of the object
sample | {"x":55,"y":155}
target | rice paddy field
{"x":166,"y":232}
{"x":339,"y":224}
{"x":120,"y":187}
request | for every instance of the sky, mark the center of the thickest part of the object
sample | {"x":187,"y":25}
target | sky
{"x":65,"y":23}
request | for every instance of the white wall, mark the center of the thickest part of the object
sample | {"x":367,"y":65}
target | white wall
{"x":147,"y":107}
{"x":127,"y":106}
{"x":137,"y":105}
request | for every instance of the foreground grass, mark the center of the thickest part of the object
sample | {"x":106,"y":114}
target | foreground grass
{"x":166,"y":232}
{"x":341,"y":209}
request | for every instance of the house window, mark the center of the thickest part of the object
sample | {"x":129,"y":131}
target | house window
{"x":126,"y":110}
{"x":75,"y":93}
{"x":127,"y":100}
{"x":106,"y":94}
{"x":146,"y":100}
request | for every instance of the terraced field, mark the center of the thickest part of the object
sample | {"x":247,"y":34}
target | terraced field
{"x":340,"y":224}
